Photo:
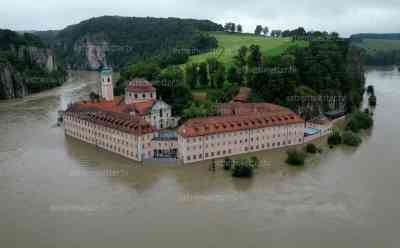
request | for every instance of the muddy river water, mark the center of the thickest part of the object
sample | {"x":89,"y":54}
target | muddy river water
{"x":59,"y":192}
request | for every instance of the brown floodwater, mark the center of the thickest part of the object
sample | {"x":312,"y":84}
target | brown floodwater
{"x":60,"y":192}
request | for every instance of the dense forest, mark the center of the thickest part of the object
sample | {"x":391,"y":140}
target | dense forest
{"x":116,"y":41}
{"x":378,"y":49}
{"x":328,"y":69}
{"x":389,"y":57}
{"x":387,"y":36}
{"x":27,"y":65}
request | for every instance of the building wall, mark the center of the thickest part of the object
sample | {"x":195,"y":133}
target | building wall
{"x":136,"y":147}
{"x":131,"y":97}
{"x":161,"y":115}
{"x":200,"y":148}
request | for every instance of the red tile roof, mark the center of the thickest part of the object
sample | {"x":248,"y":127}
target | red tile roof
{"x":118,"y":105}
{"x":265,"y":116}
{"x":120,"y":121}
{"x":139,"y":85}
{"x":237,"y":108}
{"x":143,"y":107}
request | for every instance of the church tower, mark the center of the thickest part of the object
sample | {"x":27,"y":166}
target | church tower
{"x":107,"y":89}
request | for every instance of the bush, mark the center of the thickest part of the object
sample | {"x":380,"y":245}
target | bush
{"x":371,"y":90}
{"x":351,"y":138}
{"x":228,"y":163}
{"x":295,"y":157}
{"x":242,"y":168}
{"x":372,"y":101}
{"x":334,"y":139}
{"x":254,"y":161}
{"x":311,"y":148}
{"x":357,"y":121}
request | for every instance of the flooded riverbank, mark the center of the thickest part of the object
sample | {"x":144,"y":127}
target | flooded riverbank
{"x":60,"y":192}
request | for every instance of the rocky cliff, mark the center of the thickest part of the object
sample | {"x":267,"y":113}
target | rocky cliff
{"x":26,"y":66}
{"x":90,"y":54}
{"x":12,"y":83}
{"x":116,"y":40}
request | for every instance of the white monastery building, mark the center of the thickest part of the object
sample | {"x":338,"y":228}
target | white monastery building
{"x":132,"y":125}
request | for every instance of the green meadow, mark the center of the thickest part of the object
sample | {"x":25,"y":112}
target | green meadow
{"x":229,"y":44}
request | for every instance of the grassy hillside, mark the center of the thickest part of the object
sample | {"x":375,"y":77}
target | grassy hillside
{"x":229,"y":44}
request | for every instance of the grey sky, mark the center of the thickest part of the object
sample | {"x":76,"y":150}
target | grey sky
{"x":345,"y":17}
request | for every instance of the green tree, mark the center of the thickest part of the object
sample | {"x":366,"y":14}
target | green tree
{"x":258,"y":30}
{"x":218,"y":76}
{"x":334,"y":138}
{"x":147,"y":70}
{"x":254,"y":162}
{"x":372,"y":101}
{"x":171,"y":74}
{"x":311,"y":148}
{"x":350,"y":138}
{"x":265,"y":30}
{"x":94,"y":96}
{"x":191,"y":75}
{"x":172,"y":90}
{"x":239,"y":28}
{"x":295,"y":157}
{"x":203,"y":74}
{"x":217,"y":72}
{"x":242,"y":168}
{"x":234,"y":75}
{"x":357,"y":121}
{"x":254,"y":59}
{"x":371,"y":90}
{"x":228,"y":163}
{"x":199,"y":109}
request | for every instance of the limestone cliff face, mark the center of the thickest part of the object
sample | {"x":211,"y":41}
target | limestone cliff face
{"x":14,"y":80}
{"x":12,"y":83}
{"x":90,"y":53}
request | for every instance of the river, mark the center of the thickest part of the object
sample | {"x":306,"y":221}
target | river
{"x":59,"y":192}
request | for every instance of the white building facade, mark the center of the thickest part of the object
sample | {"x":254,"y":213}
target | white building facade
{"x":228,"y":141}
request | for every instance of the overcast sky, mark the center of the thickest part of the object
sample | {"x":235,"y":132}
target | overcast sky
{"x":344,"y":16}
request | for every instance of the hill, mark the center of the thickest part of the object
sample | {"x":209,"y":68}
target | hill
{"x":375,"y":45}
{"x":387,"y":36}
{"x":116,"y":40}
{"x":379,"y":49}
{"x":229,"y":44}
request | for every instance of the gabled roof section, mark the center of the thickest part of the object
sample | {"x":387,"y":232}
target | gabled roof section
{"x":258,"y":115}
{"x":119,"y":121}
{"x":139,"y":85}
